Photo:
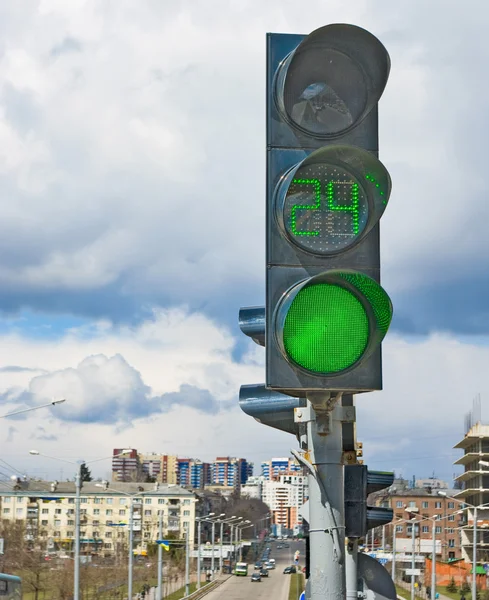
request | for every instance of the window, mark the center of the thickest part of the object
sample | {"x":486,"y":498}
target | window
{"x":437,"y":504}
{"x":451,"y":505}
{"x":186,"y":502}
{"x":122,"y":512}
{"x":409,"y":528}
{"x":57,"y":534}
{"x":120,"y":534}
{"x":44,"y":511}
{"x":84,"y":500}
{"x":147,"y":513}
{"x":6,"y":511}
{"x":147,"y":534}
{"x":412,"y":504}
{"x":186,"y":513}
{"x":83,"y":511}
{"x":437,"y":529}
{"x":71,"y":522}
{"x":109,"y":501}
{"x":122,"y":500}
{"x":160,"y":512}
{"x":148,"y":500}
{"x":399,"y":504}
{"x":44,"y":523}
{"x":451,"y":544}
{"x":451,"y":517}
{"x":108,"y":546}
{"x":451,"y":555}
{"x":450,"y":530}
{"x":96,"y":511}
{"x":70,"y":511}
{"x":95,"y":523}
{"x":438,"y":517}
{"x":69,"y":534}
{"x":6,"y":500}
{"x":57,"y":523}
{"x":161,"y":501}
{"x":71,"y":501}
{"x":108,"y":534}
{"x":97,"y":500}
{"x":96,"y":534}
{"x":108,"y":512}
{"x":424,"y":504}
{"x":185,"y":524}
{"x":425,"y":529}
{"x":57,"y":511}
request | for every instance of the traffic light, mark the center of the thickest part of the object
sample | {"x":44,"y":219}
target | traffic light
{"x":326,"y":313}
{"x":359,"y":483}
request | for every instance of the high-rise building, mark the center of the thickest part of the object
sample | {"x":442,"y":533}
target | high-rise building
{"x":274,"y":468}
{"x":193,"y":473}
{"x":284,"y":498}
{"x":231,"y":472}
{"x":162,"y":467}
{"x":127,"y":466}
{"x":475,"y":492}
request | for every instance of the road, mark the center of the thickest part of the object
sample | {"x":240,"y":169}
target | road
{"x":275,"y":586}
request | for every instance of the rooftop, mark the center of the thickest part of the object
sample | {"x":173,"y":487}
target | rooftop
{"x":33,"y":488}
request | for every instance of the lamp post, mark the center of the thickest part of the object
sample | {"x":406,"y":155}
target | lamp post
{"x":199,"y":534}
{"x":234,"y":526}
{"x":240,"y":528}
{"x":213,"y":521}
{"x":78,"y":485}
{"x":223,"y":522}
{"x":105,"y":485}
{"x":24,"y":410}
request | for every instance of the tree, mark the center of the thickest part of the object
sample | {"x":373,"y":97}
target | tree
{"x":85,"y":474}
{"x":465,"y":589}
{"x":452,"y":586}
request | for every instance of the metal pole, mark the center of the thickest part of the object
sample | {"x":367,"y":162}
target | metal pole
{"x":433,"y":564}
{"x":413,"y":560}
{"x":351,"y":568}
{"x":199,"y":531}
{"x":213,"y":538}
{"x":187,"y":563}
{"x":231,"y":558}
{"x":241,"y":544}
{"x":383,"y":538}
{"x":326,"y":502}
{"x":131,"y":541}
{"x":474,"y":558}
{"x":76,"y":583}
{"x":220,"y":548}
{"x":394,"y":535}
{"x":160,"y":558}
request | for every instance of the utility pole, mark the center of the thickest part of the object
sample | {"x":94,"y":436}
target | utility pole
{"x":199,"y":532}
{"x":187,"y":563}
{"x":76,"y":591}
{"x":131,"y":555}
{"x":413,"y":560}
{"x":160,"y":558}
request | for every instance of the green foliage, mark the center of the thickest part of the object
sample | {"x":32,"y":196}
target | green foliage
{"x":85,"y":474}
{"x":465,"y":588}
{"x":452,"y":586}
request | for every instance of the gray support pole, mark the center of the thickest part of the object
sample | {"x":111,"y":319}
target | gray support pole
{"x":326,"y":502}
{"x":199,"y":531}
{"x":213,"y":541}
{"x":351,"y":569}
{"x":394,"y":535}
{"x":433,"y":563}
{"x":131,"y":543}
{"x":474,"y":558}
{"x":383,"y":538}
{"x":231,"y":558}
{"x":160,"y":558}
{"x":220,"y":548}
{"x":187,"y":563}
{"x":76,"y":582}
{"x":413,"y":559}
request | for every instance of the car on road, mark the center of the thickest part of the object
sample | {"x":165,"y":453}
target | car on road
{"x":264,"y":573}
{"x":289,"y":570}
{"x":270,"y":565}
{"x":258,"y":565}
{"x":280,"y":546}
{"x":256,"y":577}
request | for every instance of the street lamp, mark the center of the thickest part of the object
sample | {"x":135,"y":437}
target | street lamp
{"x":24,"y":410}
{"x":225,"y":521}
{"x":240,"y":528}
{"x":474,"y":541}
{"x":78,"y":483}
{"x":199,"y":526}
{"x":234,"y":526}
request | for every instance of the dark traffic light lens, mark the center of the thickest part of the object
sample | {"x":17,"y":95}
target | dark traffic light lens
{"x":325,"y":209}
{"x":326,"y":328}
{"x":325,"y":91}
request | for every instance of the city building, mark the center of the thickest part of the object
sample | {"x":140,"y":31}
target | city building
{"x":48,"y":511}
{"x":231,"y":472}
{"x":253,"y":487}
{"x":193,"y":473}
{"x":431,"y":483}
{"x":161,"y":467}
{"x":127,"y":466}
{"x":427,"y":508}
{"x":475,"y":489}
{"x":284,"y":498}
{"x":274,"y":468}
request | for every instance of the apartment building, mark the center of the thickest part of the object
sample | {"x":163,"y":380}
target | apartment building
{"x":230,"y":472}
{"x":475,"y":490}
{"x":48,"y":511}
{"x":274,"y":468}
{"x":126,"y":466}
{"x":193,"y":473}
{"x":161,"y":467}
{"x":284,"y":498}
{"x":424,"y":508}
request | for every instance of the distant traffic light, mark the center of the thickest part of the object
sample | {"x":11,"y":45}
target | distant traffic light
{"x":326,"y":313}
{"x":359,"y":483}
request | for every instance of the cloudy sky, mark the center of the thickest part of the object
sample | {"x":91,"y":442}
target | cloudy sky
{"x":132,"y":179}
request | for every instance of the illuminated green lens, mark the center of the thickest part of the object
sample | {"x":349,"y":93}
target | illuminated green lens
{"x":326,"y":328}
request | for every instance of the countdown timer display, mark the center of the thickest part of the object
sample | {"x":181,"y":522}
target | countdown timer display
{"x":325,"y":209}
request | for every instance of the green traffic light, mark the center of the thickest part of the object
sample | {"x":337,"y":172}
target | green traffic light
{"x":326,"y":329}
